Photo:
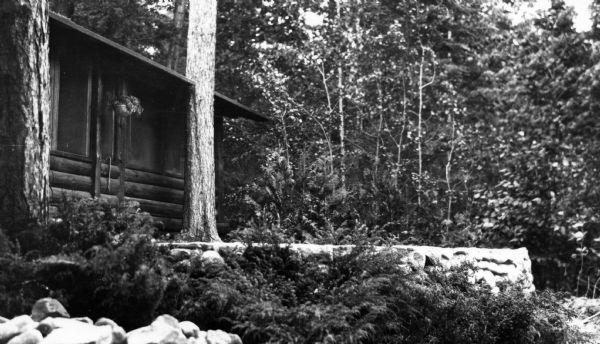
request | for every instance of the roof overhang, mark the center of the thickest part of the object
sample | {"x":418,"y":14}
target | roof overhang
{"x":230,"y":107}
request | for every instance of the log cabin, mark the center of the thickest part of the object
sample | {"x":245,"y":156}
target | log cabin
{"x":98,"y":152}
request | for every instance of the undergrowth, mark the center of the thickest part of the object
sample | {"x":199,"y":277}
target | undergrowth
{"x":100,"y":261}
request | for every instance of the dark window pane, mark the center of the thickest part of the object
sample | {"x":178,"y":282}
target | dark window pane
{"x":73,"y":107}
{"x":174,"y":143}
{"x":145,"y":136}
{"x":108,"y":117}
{"x":157,"y":137}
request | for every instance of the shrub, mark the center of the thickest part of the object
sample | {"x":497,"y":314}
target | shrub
{"x":268,"y":294}
{"x":96,"y":259}
{"x":18,"y":287}
{"x":273,"y":295}
{"x":125,"y":282}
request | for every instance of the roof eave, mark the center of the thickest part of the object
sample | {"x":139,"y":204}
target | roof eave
{"x":241,"y":110}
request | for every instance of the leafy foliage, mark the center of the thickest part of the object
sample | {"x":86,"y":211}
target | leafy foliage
{"x":460,"y":127}
{"x":95,"y":259}
{"x":505,"y":153}
{"x":271,"y":294}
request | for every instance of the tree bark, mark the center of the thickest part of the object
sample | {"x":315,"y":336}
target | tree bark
{"x":199,"y":208}
{"x":420,"y":130}
{"x":174,"y":51}
{"x":342,"y":116}
{"x":24,"y":111}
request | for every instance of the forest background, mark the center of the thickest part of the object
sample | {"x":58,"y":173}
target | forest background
{"x":437,"y":122}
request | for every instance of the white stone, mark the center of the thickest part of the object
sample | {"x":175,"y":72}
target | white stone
{"x":7,"y":331}
{"x":166,"y":320}
{"x":222,"y":337}
{"x":312,"y":249}
{"x":189,"y":329}
{"x":84,"y":335}
{"x":118,"y":333}
{"x":486,"y":277}
{"x":164,"y":329}
{"x":31,"y":336}
{"x":23,"y":322}
{"x":200,"y":340}
{"x":212,"y":257}
{"x":55,"y":323}
{"x":156,"y":335}
{"x":48,"y":307}
{"x":513,"y":265}
{"x":105,"y":321}
{"x":86,"y":320}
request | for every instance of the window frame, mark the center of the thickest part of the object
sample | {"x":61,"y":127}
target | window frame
{"x":55,"y":81}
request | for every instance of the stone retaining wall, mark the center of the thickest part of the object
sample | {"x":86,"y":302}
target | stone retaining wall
{"x":491,"y":266}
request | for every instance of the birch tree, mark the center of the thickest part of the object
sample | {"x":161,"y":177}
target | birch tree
{"x":24,"y":111}
{"x":174,"y":49}
{"x":199,"y":210}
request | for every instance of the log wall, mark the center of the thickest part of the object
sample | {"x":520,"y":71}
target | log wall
{"x":161,"y":196}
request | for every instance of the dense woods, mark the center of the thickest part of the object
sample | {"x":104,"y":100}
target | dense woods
{"x":439,"y":123}
{"x":432,"y":122}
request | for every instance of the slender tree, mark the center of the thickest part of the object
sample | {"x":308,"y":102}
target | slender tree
{"x":24,"y":111}
{"x":174,"y":50}
{"x":199,"y":213}
{"x":342,"y":128}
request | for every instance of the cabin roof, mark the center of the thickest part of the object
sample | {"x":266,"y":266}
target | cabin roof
{"x":231,"y":107}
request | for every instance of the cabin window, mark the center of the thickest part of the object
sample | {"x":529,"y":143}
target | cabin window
{"x":71,"y":105}
{"x":108,"y":117}
{"x":146,"y":138}
{"x":157,"y":136}
{"x":174,"y":146}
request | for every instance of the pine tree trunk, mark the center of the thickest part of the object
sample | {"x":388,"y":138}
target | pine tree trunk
{"x":199,"y":212}
{"x":174,"y":51}
{"x":24,"y":111}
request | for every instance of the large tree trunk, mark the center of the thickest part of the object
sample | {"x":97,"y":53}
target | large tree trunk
{"x":174,"y":51}
{"x":24,"y":111}
{"x":199,"y":211}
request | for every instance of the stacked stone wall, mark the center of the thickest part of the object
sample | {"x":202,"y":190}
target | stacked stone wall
{"x":490,"y":266}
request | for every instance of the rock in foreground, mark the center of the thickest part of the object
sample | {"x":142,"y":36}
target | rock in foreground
{"x":49,"y":323}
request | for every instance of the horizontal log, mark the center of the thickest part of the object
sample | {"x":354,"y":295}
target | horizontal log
{"x":82,"y":168}
{"x":70,"y":181}
{"x":114,"y":186}
{"x":169,"y":224}
{"x":152,"y":192}
{"x":154,"y":179}
{"x":71,"y":156}
{"x":150,"y":197}
{"x":62,"y":164}
{"x":143,"y":191}
{"x":143,"y":177}
{"x":159,"y":208}
{"x":59,"y":194}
